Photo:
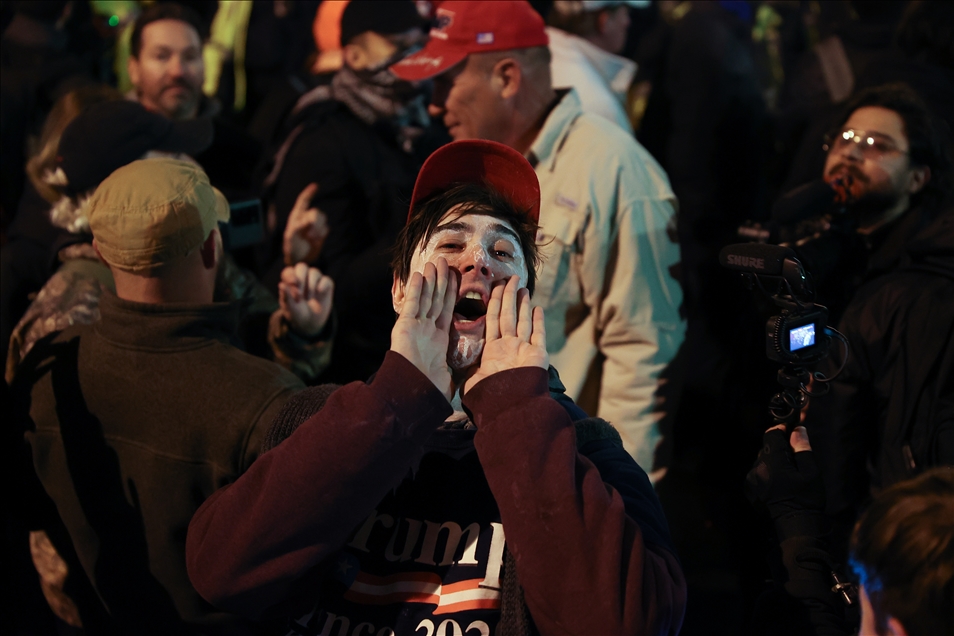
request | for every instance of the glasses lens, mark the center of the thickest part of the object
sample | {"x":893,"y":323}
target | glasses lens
{"x":871,"y":145}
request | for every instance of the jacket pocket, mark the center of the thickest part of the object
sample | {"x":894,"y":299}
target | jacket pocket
{"x":560,"y":241}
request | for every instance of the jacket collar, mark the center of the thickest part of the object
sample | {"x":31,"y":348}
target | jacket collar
{"x":616,"y":71}
{"x":887,"y":244}
{"x":167,"y":326}
{"x":555,"y":130}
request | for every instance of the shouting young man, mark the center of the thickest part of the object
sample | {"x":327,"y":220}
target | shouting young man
{"x":453,"y":492}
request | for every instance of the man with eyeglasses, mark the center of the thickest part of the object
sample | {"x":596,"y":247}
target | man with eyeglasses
{"x":890,"y":413}
{"x":871,"y":157}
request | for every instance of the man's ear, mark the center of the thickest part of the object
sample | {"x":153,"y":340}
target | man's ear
{"x":132,"y":67}
{"x":919,"y":178}
{"x":354,"y":57}
{"x":397,"y":294}
{"x":210,"y":249}
{"x":507,"y":77}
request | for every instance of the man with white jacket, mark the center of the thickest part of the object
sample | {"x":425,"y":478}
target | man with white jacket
{"x":606,"y":282}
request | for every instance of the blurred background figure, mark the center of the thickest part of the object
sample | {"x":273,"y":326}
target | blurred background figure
{"x":586,"y":39}
{"x":707,"y":124}
{"x":352,"y":149}
{"x":29,"y":256}
{"x":39,"y":63}
{"x":167,"y":73}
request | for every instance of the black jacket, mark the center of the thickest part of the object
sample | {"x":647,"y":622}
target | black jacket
{"x":364,"y":182}
{"x":892,"y":407}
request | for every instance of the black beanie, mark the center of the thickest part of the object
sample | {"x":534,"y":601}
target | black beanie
{"x":384,"y":17}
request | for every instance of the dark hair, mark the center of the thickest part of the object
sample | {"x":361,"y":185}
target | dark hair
{"x":472,"y":199}
{"x":927,"y":32}
{"x":902,"y":549}
{"x":165,"y":11}
{"x":928,"y":142}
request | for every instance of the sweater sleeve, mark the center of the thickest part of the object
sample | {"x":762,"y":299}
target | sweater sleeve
{"x":583,"y":562}
{"x":298,"y":503}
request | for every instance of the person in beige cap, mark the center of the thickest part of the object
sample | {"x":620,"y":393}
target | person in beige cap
{"x":134,"y":420}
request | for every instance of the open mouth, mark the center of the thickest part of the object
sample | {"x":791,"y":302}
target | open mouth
{"x":471,"y":307}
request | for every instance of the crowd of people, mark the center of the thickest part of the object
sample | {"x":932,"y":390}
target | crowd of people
{"x":374,"y":317}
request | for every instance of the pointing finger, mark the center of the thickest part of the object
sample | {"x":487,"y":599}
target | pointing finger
{"x":303,"y":202}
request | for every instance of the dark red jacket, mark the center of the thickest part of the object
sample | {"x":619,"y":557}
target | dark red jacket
{"x":323,"y":526}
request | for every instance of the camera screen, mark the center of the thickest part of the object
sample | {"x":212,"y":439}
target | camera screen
{"x":801,"y":337}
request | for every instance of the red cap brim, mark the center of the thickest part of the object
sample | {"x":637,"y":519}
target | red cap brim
{"x":429,"y":62}
{"x":482,"y":162}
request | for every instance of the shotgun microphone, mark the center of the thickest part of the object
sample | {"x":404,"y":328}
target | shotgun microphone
{"x":755,"y":258}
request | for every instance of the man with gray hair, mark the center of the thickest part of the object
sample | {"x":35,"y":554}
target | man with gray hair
{"x":611,"y":300}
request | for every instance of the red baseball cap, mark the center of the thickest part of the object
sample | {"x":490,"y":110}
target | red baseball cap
{"x":474,"y":26}
{"x":483,"y":162}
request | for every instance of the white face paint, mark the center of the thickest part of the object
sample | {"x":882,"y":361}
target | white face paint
{"x":486,"y":251}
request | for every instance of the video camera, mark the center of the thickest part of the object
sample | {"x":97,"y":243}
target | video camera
{"x":799,"y":335}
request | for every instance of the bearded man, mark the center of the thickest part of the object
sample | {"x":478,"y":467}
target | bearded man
{"x":888,"y":416}
{"x":167,"y":71}
{"x":550,"y":525}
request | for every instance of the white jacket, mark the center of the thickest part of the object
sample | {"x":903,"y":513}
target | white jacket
{"x":607,"y":224}
{"x":600,"y":78}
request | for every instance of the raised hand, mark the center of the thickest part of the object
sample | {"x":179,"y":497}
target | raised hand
{"x":422,"y":331}
{"x":304,"y":296}
{"x":306,"y":230}
{"x":785,"y":476}
{"x":515,"y":337}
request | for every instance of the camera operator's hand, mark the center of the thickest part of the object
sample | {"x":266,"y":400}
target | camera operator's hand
{"x":515,"y":335}
{"x":785,"y":477}
{"x":422,"y":330}
{"x":305,"y":298}
{"x":305,"y":231}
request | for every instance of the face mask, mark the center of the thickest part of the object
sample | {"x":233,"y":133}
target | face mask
{"x":381,"y":77}
{"x":376,"y":95}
